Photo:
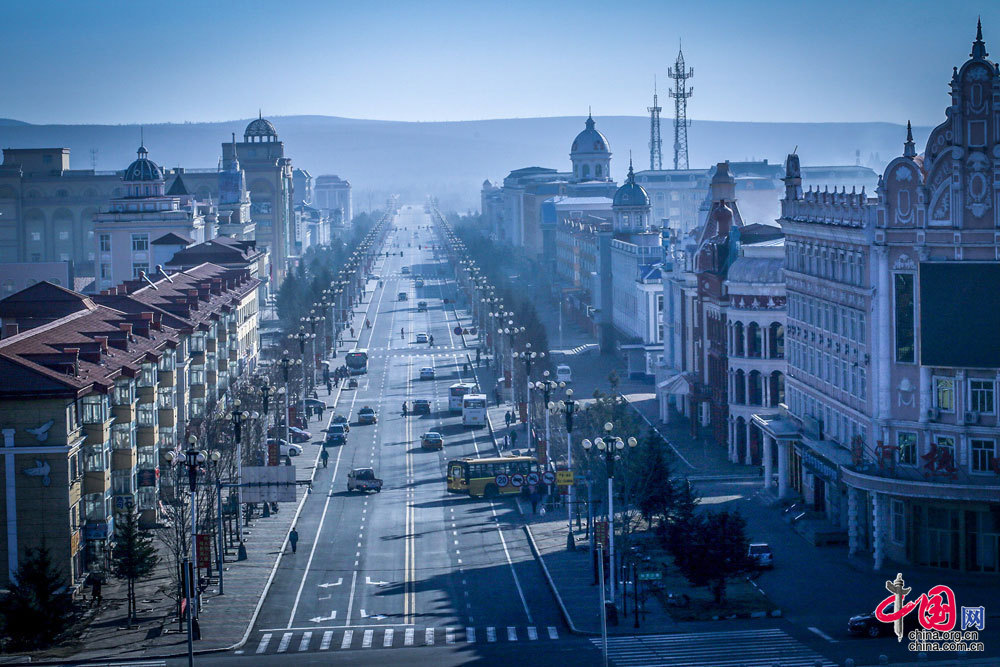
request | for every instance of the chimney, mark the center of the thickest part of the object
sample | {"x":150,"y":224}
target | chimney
{"x":9,"y":329}
{"x":102,"y":341}
{"x":205,"y":291}
{"x":216,"y":285}
{"x":74,"y":352}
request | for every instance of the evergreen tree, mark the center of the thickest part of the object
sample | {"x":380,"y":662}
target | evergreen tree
{"x":717,"y":550}
{"x":655,"y":490}
{"x":681,"y":520}
{"x":134,"y":556}
{"x":37,"y":608}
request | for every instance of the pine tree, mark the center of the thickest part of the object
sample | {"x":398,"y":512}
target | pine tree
{"x":134,"y":556}
{"x":717,"y":550}
{"x":655,"y":489}
{"x":38,"y":607}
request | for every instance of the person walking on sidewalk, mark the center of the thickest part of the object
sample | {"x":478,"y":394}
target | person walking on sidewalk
{"x":329,"y":387}
{"x":325,"y":457}
{"x":293,"y":538}
{"x":507,"y":418}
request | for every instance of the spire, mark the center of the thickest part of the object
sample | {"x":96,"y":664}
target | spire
{"x":909,"y":148}
{"x":590,"y":119}
{"x":978,"y":46}
{"x":142,"y":152}
{"x":631,"y":174}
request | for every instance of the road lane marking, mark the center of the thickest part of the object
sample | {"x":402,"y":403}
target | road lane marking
{"x":348,"y":637}
{"x":429,"y":636}
{"x":350,"y":600}
{"x":470,"y":635}
{"x":387,"y":639}
{"x":264,"y":641}
{"x":366,"y":639}
{"x":408,"y":637}
{"x":511,"y":633}
{"x":327,"y":638}
{"x":823,"y":635}
{"x":532,"y":633}
{"x":285,"y":638}
{"x":491,"y":634}
{"x":306,"y":638}
{"x":449,"y":635}
{"x":552,"y":632}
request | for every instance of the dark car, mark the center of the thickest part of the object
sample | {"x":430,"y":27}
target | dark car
{"x":341,"y":419}
{"x":298,"y":434}
{"x":869,"y":626}
{"x":422,"y":306}
{"x":335,"y":435}
{"x":421,"y":406}
{"x":432,"y":440}
{"x":367,"y":415}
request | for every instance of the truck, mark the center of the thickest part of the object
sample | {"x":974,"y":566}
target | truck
{"x":363,"y":479}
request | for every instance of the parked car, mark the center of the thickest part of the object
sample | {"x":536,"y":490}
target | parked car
{"x":421,"y":406}
{"x":341,"y":419}
{"x":419,"y":282}
{"x":363,"y":479}
{"x":405,"y":269}
{"x":426,"y":373}
{"x":314,"y":403}
{"x":366,"y":415}
{"x":401,"y":296}
{"x":285,"y":448}
{"x":335,"y":435}
{"x":564,"y":374}
{"x":421,"y":338}
{"x":421,"y":306}
{"x":762,"y":555}
{"x":432,"y":440}
{"x":299,"y":435}
{"x":869,"y":626}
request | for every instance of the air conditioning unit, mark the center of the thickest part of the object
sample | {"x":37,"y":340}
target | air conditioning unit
{"x":971,"y":417}
{"x":932,"y":414}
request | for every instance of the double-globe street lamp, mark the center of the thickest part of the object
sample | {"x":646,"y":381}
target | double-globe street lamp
{"x":528,"y":357}
{"x":611,"y":449}
{"x":567,"y":407}
{"x":287,"y":364}
{"x":303,"y":337}
{"x":238,"y":418}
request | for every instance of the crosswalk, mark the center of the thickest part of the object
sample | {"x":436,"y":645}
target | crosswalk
{"x":289,"y":641}
{"x":742,"y":648}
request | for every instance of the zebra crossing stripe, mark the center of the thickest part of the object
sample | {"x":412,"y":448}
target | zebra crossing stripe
{"x":449,"y":635}
{"x":387,"y":639}
{"x":366,"y":639}
{"x":552,"y":632}
{"x":348,"y":636}
{"x":264,"y":641}
{"x":491,"y":634}
{"x":408,"y":637}
{"x":327,"y":638}
{"x":285,"y":638}
{"x":429,"y":636}
{"x":306,"y":638}
{"x":470,"y":635}
{"x":532,"y":633}
{"x":511,"y":633}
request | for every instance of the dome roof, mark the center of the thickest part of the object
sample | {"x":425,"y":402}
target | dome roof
{"x":143,"y":169}
{"x":590,"y":140}
{"x":631,"y":193}
{"x":260,"y":128}
{"x":757,"y":270}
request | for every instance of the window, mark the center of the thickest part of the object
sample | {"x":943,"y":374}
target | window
{"x":106,"y":271}
{"x":147,"y":498}
{"x":905,"y":336}
{"x":197,"y":407}
{"x":139,"y":268}
{"x":945,"y":448}
{"x":146,"y":457}
{"x":146,"y":414}
{"x":981,"y":396}
{"x":121,"y":482}
{"x":123,"y":393}
{"x":95,"y":409}
{"x":64,"y":236}
{"x":122,"y":436}
{"x":167,"y":360}
{"x":36,"y":236}
{"x":105,"y":242}
{"x":140,"y":242}
{"x":93,"y":507}
{"x":907,"y":452}
{"x":165,"y":398}
{"x":197,"y":375}
{"x":898,"y":521}
{"x":167,"y":438}
{"x":944,"y":394}
{"x":983,"y":455}
{"x":95,"y":458}
{"x":198,"y":342}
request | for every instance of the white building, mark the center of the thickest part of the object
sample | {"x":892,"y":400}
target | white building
{"x":331,"y":193}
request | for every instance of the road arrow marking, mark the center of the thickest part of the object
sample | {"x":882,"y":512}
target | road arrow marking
{"x":320,"y":619}
{"x":363,"y":614}
{"x":368,"y":580}
{"x":339,"y":581}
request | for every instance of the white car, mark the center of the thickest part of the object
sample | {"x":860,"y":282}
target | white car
{"x":421,"y":338}
{"x":285,"y":448}
{"x":564,"y":374}
{"x":426,"y":373}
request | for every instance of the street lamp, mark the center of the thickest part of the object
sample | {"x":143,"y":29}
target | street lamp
{"x":611,"y":449}
{"x":214,"y":457}
{"x":302,"y":337}
{"x":287,"y":363}
{"x":238,"y":418}
{"x":568,"y":407}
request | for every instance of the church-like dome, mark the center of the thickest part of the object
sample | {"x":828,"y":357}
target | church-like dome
{"x":259,"y":130}
{"x":590,"y":140}
{"x":143,"y":169}
{"x":631,"y":193}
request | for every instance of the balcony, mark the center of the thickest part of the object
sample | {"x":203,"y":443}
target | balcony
{"x":197,"y":391}
{"x":167,"y":417}
{"x":145,"y":436}
{"x":223,"y":363}
{"x":146,"y":394}
{"x":98,"y":481}
{"x":123,"y":459}
{"x":210,"y":345}
{"x":123,"y":414}
{"x":166,"y":379}
{"x":97,"y":434}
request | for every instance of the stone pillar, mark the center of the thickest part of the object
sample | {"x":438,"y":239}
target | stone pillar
{"x":767,"y":456}
{"x":853,"y":533}
{"x":746,"y":452}
{"x":925,"y":401}
{"x":783,"y":478}
{"x":878,"y":333}
{"x":765,"y":339}
{"x":878,"y":529}
{"x":732,"y":440}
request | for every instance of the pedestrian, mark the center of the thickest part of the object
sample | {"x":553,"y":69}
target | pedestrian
{"x":534,"y":499}
{"x":329,"y":387}
{"x":325,"y":456}
{"x":293,"y":536}
{"x":352,"y":332}
{"x":95,"y":591}
{"x":507,"y":417}
{"x":321,"y":409}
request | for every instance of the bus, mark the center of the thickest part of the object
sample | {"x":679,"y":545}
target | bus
{"x":456,"y":392}
{"x":477,"y":477}
{"x":357,"y":361}
{"x":474,"y":410}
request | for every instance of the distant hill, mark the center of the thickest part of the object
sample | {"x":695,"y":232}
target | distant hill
{"x":451,"y":159}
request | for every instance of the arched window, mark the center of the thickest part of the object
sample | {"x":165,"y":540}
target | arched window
{"x":597,"y":171}
{"x":740,"y":396}
{"x":777,"y":388}
{"x":777,"y":341}
{"x":754,"y":340}
{"x":756,"y":389}
{"x":586,"y":171}
{"x":738,"y":335}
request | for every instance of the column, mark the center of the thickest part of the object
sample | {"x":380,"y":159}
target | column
{"x":732,"y":440}
{"x":881,"y":347}
{"x":783,"y":469}
{"x":878,"y":528}
{"x":10,"y":481}
{"x":925,"y":401}
{"x":853,"y":535}
{"x":747,"y":458}
{"x":765,"y":338}
{"x":768,"y":455}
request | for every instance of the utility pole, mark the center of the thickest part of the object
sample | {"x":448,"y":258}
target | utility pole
{"x":680,"y":73}
{"x":655,"y":142}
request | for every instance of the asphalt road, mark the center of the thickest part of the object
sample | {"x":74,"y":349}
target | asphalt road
{"x":412,"y":566}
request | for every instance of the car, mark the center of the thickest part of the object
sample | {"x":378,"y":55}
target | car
{"x":366,"y":415}
{"x":285,"y":448}
{"x":426,"y":373}
{"x":314,"y":403}
{"x":363,"y":479}
{"x":564,"y":374}
{"x":341,"y":419}
{"x":869,"y":626}
{"x":405,"y":269}
{"x":419,"y":282}
{"x":761,"y":555}
{"x":401,"y":296}
{"x":335,"y":435}
{"x":421,"y":306}
{"x":432,"y":440}
{"x":421,"y":338}
{"x":299,"y":435}
{"x":421,"y":406}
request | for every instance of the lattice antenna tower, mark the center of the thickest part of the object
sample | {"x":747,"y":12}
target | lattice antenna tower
{"x":655,"y":142}
{"x":93,"y":159}
{"x":680,"y":73}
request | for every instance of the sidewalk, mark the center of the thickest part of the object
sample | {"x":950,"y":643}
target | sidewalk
{"x":225,"y":619}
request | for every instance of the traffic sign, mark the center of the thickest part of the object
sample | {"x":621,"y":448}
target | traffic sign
{"x":501,"y":480}
{"x":516,"y":480}
{"x":549,"y":477}
{"x":564,"y":477}
{"x":532,"y":478}
{"x":650,"y":576}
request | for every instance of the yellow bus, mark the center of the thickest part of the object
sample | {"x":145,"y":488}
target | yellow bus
{"x":478,"y":477}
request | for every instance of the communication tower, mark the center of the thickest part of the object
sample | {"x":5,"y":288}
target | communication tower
{"x":655,"y":142}
{"x":680,"y":73}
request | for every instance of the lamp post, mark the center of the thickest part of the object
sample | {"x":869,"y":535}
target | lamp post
{"x":527,"y":356}
{"x":287,"y":363}
{"x":214,"y":457}
{"x":610,"y":449}
{"x":238,"y":418}
{"x":302,"y":337}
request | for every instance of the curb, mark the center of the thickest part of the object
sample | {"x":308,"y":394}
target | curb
{"x":552,"y":585}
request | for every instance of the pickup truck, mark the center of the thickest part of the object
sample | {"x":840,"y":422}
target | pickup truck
{"x":363,"y":479}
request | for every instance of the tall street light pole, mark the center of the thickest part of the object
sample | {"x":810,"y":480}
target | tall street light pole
{"x":287,"y":363}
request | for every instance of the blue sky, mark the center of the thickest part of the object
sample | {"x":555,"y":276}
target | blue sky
{"x":128,"y":62}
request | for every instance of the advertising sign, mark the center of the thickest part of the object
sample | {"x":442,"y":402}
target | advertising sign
{"x":269,"y":484}
{"x":203,"y":547}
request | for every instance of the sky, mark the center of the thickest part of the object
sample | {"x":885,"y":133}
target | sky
{"x":114,"y":62}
